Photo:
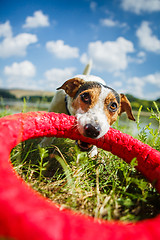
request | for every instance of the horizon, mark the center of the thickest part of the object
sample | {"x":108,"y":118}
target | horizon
{"x":53,"y":92}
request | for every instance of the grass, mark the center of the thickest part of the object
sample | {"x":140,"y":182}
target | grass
{"x":103,"y":187}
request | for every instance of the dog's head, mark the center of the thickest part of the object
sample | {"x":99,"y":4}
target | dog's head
{"x":95,"y":105}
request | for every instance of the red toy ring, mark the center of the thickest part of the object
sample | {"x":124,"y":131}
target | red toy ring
{"x":25,"y":214}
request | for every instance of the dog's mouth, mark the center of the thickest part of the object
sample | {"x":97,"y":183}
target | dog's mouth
{"x":86,"y":147}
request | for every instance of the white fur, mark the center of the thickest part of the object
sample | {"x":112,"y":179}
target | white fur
{"x":95,"y":115}
{"x":93,"y":152}
{"x":91,"y":78}
{"x":57,"y":105}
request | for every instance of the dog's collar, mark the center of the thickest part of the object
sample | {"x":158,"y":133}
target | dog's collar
{"x":67,"y":105}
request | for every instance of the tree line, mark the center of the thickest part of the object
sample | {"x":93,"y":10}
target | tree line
{"x":135,"y":102}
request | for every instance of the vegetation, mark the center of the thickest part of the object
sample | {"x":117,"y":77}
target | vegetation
{"x":103,"y":187}
{"x":147,"y":104}
{"x":6,"y":94}
{"x":35,"y":99}
{"x":135,"y":102}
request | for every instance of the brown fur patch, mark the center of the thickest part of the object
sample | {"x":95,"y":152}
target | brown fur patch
{"x":111,"y":116}
{"x":72,"y":85}
{"x":126,"y":107}
{"x":94,"y":94}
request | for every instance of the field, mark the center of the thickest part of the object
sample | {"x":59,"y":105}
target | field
{"x":103,"y":187}
{"x":18,"y":93}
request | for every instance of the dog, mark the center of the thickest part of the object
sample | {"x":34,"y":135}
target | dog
{"x":95,"y":105}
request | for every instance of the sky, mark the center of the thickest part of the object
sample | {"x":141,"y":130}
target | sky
{"x":46,"y":42}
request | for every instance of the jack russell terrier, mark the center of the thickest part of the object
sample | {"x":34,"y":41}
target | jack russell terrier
{"x":95,"y":105}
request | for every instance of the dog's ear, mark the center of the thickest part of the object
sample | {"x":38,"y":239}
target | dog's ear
{"x":71,"y":86}
{"x":125,"y":106}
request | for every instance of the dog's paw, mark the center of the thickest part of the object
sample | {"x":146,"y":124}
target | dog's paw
{"x":93,"y":152}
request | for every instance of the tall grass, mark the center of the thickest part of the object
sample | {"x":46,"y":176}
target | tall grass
{"x":103,"y":187}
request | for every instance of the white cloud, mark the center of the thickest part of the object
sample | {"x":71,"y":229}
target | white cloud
{"x":62,"y":51}
{"x":5,"y":30}
{"x":19,"y":75}
{"x":23,"y":69}
{"x":139,"y":59}
{"x":108,"y":22}
{"x":153,"y":79}
{"x":93,"y":6}
{"x":16,"y":46}
{"x":136,"y":85}
{"x":141,"y":54}
{"x":38,"y":20}
{"x":147,"y":40}
{"x":141,"y":6}
{"x":109,"y":56}
{"x":55,"y":77}
{"x":117,"y":84}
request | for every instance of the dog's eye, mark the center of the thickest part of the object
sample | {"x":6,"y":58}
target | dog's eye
{"x":113,"y":107}
{"x":85,"y":97}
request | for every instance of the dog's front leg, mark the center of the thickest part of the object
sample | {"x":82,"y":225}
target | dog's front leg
{"x":93,"y":152}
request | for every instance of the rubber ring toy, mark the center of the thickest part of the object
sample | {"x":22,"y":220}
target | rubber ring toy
{"x":26,"y":215}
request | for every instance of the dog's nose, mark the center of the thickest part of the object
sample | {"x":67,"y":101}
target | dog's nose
{"x":92,"y":131}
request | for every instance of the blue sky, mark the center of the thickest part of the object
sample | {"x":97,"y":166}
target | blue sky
{"x":45,"y":42}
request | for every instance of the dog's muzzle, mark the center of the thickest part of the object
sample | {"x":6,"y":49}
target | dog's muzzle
{"x":91,"y":131}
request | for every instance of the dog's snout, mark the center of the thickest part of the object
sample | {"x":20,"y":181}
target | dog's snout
{"x":92,"y":131}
